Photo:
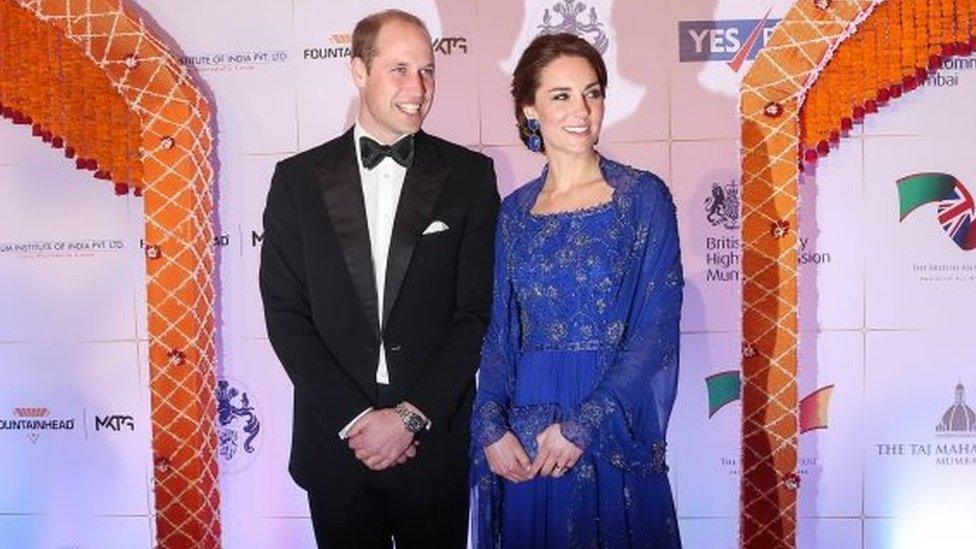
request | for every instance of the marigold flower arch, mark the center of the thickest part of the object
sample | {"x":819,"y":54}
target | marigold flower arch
{"x":91,"y":79}
{"x":827,"y":65}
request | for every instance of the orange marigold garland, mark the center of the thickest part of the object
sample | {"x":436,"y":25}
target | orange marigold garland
{"x":65,"y":72}
{"x":896,"y":49}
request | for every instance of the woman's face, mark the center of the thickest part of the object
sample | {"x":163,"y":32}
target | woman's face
{"x":568,"y":106}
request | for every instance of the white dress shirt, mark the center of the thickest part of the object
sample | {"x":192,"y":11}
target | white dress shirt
{"x":381,"y":194}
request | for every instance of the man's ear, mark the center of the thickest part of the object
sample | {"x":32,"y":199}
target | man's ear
{"x":359,"y":72}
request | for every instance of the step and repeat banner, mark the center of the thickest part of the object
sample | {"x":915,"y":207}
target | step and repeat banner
{"x":887,"y":359}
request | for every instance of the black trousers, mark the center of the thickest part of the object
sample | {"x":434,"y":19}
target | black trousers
{"x":422,"y":504}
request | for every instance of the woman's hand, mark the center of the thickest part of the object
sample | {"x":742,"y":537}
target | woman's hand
{"x":556,"y":454}
{"x":507,"y":458}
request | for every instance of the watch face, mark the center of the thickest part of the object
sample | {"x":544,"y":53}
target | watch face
{"x":414,"y":423}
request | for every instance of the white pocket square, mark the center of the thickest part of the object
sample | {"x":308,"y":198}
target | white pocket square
{"x":436,"y":227}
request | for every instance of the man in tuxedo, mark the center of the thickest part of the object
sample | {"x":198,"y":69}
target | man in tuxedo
{"x":376,"y":279}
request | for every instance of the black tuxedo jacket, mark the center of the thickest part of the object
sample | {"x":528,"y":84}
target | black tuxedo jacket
{"x":320,"y":301}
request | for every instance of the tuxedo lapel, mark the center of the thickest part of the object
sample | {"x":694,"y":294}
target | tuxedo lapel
{"x":342,"y":193}
{"x":421,"y":188}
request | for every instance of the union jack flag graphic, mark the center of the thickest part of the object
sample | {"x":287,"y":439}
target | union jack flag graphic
{"x":956,"y":211}
{"x":956,"y":214}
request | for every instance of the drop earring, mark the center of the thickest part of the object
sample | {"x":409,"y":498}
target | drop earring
{"x":535,"y":140}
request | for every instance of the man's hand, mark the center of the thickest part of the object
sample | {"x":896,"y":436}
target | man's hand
{"x":507,"y":458}
{"x":410,"y":452}
{"x":379,"y":439}
{"x":556,"y":454}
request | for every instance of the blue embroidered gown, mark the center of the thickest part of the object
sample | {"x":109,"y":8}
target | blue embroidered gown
{"x":584,"y":332}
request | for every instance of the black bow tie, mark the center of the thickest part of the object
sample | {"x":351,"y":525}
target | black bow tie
{"x":372,"y":153}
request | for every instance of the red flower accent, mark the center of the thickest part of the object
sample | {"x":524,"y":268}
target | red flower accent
{"x":780,"y":228}
{"x":121,"y":189}
{"x":870,"y":106}
{"x":823,"y":148}
{"x":948,"y":50}
{"x":103,"y":174}
{"x":883,"y":96}
{"x":176,"y":357}
{"x":921,"y":74}
{"x":69,"y":152}
{"x":909,"y":83}
{"x":57,"y":142}
{"x":137,"y":192}
{"x":964,"y":49}
{"x":858,"y":114}
{"x":748,"y":350}
{"x":791,"y":481}
{"x":810,"y":155}
{"x":934,"y":62}
{"x":846,"y":124}
{"x":162,"y":464}
{"x":834,"y":137}
{"x":895,"y":91}
{"x":36,"y":130}
{"x":773,"y":109}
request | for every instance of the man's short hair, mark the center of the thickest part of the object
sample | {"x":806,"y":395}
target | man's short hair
{"x":368,"y":28}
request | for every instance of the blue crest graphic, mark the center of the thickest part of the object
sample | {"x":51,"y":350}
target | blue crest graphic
{"x":722,"y":207}
{"x":236,"y":419}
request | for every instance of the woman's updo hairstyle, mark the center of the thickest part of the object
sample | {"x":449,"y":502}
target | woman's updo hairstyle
{"x":544,"y":50}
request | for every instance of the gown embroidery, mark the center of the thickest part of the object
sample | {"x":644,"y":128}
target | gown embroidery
{"x":584,"y":333}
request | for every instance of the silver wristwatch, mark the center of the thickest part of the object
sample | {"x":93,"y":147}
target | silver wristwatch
{"x":414,"y":422}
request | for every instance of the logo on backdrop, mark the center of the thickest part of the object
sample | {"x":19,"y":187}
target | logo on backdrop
{"x":959,"y":418}
{"x":944,"y":448}
{"x":238,"y":427}
{"x":34,"y":420}
{"x":571,"y":19}
{"x":726,"y":387}
{"x":955,"y":212}
{"x":114,"y":423}
{"x":721,"y":209}
{"x":948,"y":74}
{"x":256,"y":238}
{"x":74,"y":248}
{"x":590,"y":20}
{"x":234,"y":60}
{"x":734,"y":41}
{"x":340,"y":47}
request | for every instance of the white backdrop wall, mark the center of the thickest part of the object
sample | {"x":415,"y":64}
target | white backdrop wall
{"x":884,"y":304}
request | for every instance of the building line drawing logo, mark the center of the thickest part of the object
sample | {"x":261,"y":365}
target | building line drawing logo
{"x":959,"y":417}
{"x":726,"y":387}
{"x":956,"y":212}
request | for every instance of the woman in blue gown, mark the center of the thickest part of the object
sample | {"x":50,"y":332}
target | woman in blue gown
{"x":579,"y":366}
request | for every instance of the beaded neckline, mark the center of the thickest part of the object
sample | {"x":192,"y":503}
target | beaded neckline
{"x":585,"y":210}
